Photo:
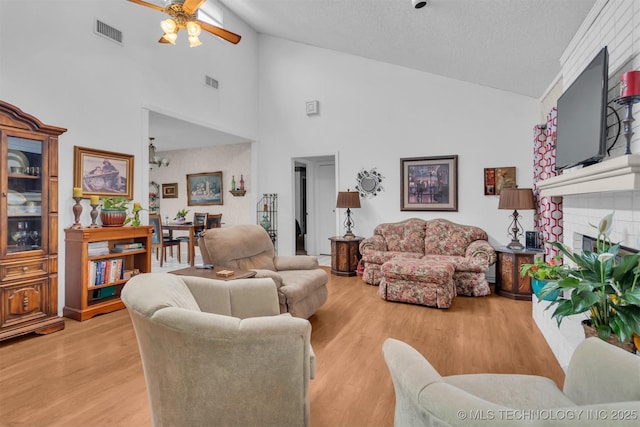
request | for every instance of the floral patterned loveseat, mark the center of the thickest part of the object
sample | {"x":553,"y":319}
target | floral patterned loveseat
{"x":439,"y":240}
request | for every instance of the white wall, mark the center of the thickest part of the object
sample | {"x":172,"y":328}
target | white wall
{"x":232,"y":160}
{"x":55,"y":68}
{"x":371,"y":115}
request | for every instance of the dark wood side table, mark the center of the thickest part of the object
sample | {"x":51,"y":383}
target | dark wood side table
{"x":508,"y":281}
{"x":345,"y":255}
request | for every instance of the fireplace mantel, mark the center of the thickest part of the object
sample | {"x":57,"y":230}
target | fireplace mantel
{"x":616,"y":174}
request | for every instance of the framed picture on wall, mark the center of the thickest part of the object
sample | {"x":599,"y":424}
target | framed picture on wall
{"x":102,"y":173}
{"x":170,"y":191}
{"x":204,"y":189}
{"x":429,"y":183}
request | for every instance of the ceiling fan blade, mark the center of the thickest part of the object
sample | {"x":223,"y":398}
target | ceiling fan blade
{"x":151,"y":5}
{"x":220,"y":32}
{"x":190,"y":6}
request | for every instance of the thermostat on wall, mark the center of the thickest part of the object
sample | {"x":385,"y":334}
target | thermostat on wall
{"x":313,"y":107}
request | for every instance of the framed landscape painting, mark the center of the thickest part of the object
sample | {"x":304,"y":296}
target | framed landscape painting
{"x":102,"y":173}
{"x":204,"y":189}
{"x":429,"y":183}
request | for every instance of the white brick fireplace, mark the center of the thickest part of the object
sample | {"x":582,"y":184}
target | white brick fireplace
{"x":611,"y":186}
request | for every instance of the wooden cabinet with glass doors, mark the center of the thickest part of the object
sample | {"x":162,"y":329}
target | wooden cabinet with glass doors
{"x":28,"y":224}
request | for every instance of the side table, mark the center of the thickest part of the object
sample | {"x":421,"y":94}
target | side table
{"x":509,"y":284}
{"x":345,"y":255}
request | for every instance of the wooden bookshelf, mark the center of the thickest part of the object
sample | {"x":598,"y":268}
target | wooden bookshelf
{"x":84,"y":296}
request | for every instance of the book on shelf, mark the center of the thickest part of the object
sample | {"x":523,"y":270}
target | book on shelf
{"x":103,"y":272}
{"x":98,"y":248}
{"x":127,"y":247}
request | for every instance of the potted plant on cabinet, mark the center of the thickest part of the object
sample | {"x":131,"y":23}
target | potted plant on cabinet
{"x":113,"y":212}
{"x":604,"y":285}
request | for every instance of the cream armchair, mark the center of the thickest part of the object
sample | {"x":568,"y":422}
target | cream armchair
{"x":602,"y":387}
{"x":302,"y":284}
{"x":219,"y":353}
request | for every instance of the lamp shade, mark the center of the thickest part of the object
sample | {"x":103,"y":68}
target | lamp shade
{"x":516,"y":198}
{"x":348,"y":199}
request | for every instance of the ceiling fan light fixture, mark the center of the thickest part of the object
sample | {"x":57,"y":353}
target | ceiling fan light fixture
{"x":169,"y":38}
{"x":169,"y":26}
{"x":193,"y":28}
{"x":194,"y":41}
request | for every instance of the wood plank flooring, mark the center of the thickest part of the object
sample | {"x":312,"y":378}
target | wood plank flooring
{"x":90,"y":374}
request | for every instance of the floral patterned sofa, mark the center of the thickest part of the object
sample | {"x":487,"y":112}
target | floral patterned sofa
{"x":432,"y":241}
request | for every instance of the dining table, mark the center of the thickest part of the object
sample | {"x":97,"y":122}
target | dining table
{"x":192,"y":229}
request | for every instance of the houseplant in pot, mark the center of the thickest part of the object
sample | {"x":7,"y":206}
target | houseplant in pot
{"x":542,"y":272}
{"x":602,"y":284}
{"x":113,"y":212}
{"x":181,"y":216}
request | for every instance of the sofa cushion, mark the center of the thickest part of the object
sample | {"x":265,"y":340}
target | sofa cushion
{"x":380,"y":257}
{"x":406,"y":236}
{"x":459,"y":262}
{"x":444,"y":237}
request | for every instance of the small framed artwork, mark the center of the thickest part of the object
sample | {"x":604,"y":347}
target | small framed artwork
{"x":102,"y":173}
{"x":170,"y":191}
{"x":429,"y":183}
{"x":495,"y":179}
{"x":204,"y":189}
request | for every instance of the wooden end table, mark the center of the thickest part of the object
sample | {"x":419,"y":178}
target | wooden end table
{"x":509,"y":283}
{"x":345,"y":255}
{"x":210,"y":273}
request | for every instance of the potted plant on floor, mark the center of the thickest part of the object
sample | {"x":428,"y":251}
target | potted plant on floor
{"x":542,"y":272}
{"x":604,"y":285}
{"x":113,"y":212}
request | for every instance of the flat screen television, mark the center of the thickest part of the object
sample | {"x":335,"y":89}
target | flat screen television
{"x":581,"y":132}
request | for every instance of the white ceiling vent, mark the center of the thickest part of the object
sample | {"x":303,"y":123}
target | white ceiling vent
{"x":211,"y":82}
{"x":107,"y":31}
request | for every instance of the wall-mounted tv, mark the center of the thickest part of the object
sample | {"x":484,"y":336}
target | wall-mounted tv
{"x":581,"y":131}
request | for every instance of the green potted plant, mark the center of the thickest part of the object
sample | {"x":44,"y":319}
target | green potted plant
{"x":181,"y":215}
{"x":602,"y":284}
{"x":134,"y":218}
{"x":542,"y":272}
{"x":113,"y":212}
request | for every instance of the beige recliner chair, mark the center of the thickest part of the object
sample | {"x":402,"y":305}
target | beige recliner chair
{"x":220,"y":353}
{"x":602,"y":387}
{"x":302,"y":285}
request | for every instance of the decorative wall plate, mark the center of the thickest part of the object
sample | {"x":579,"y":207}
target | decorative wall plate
{"x":369,"y":182}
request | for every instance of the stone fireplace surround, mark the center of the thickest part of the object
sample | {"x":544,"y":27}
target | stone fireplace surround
{"x":588,"y":195}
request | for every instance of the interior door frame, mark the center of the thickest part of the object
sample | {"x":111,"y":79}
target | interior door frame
{"x":311,"y":162}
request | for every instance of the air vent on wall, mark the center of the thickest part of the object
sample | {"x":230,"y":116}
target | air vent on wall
{"x":210,"y":81}
{"x":107,"y":31}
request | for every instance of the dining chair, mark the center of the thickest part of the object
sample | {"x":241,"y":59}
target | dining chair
{"x":214,"y":221}
{"x":199,"y":219}
{"x":159,"y":243}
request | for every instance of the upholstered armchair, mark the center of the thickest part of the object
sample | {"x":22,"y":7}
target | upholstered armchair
{"x":601,"y":388}
{"x":219,"y":353}
{"x":302,"y":284}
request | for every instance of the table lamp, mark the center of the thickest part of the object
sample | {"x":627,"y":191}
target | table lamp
{"x":348,"y":199}
{"x":516,"y":198}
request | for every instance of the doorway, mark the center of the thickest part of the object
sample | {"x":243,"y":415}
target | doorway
{"x":314,"y":204}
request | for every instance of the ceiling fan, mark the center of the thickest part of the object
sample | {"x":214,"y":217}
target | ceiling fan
{"x":184,"y":15}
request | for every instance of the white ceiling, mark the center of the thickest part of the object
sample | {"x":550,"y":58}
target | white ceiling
{"x":513,"y":45}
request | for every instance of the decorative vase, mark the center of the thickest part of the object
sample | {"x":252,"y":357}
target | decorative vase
{"x":265,"y":223}
{"x":590,"y":331}
{"x":538,"y":284}
{"x":180,"y":220}
{"x":113,"y":217}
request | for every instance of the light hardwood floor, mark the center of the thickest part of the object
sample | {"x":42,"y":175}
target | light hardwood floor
{"x":90,"y":374}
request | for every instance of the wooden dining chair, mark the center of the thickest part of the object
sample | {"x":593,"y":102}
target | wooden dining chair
{"x":159,"y":243}
{"x":199,"y":218}
{"x":214,"y":221}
